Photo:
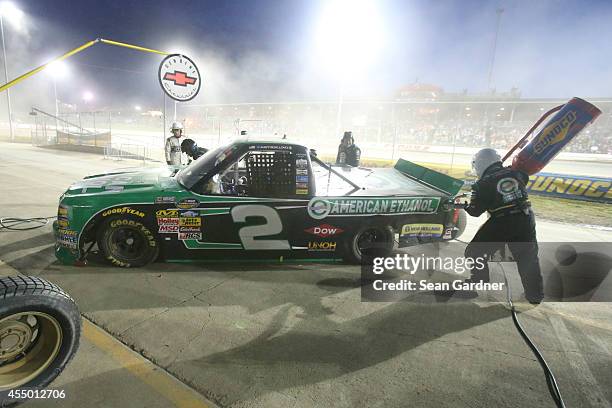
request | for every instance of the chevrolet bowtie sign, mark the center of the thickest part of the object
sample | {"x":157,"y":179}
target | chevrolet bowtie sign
{"x":179,"y":77}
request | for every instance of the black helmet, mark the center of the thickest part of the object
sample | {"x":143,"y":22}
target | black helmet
{"x":188,"y":146}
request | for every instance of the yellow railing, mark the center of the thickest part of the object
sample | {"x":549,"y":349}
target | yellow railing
{"x":75,"y":51}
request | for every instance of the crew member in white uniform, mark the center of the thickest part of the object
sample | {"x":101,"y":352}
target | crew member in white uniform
{"x":173,"y":145}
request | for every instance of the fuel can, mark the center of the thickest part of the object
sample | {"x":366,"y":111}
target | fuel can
{"x":555,"y":135}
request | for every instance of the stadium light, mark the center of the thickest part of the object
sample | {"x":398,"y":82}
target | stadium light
{"x":88,"y":96}
{"x":12,"y":14}
{"x":57,"y":69}
{"x":137,"y":108}
{"x":349,"y":33}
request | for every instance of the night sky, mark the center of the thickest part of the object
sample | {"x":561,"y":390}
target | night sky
{"x":262,"y":50}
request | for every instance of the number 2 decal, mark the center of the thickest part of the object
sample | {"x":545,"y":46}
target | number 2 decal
{"x":272,"y":226}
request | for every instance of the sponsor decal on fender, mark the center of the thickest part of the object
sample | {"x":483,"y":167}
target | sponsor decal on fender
{"x":62,"y":211}
{"x":167,"y":213}
{"x":165,"y":200}
{"x":422,"y":230}
{"x":301,"y":191}
{"x":189,"y":229}
{"x":190,"y":214}
{"x":190,"y":222}
{"x":123,"y":210}
{"x":68,"y":238}
{"x":63,"y":223}
{"x":319,"y":208}
{"x":324,"y":230}
{"x":324,"y":246}
{"x":187,"y":203}
{"x":168,"y":221}
{"x":190,"y":235}
{"x":448,"y":233}
{"x":167,"y":229}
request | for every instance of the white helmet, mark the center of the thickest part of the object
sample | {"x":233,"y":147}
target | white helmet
{"x":483,"y":159}
{"x":176,"y":125}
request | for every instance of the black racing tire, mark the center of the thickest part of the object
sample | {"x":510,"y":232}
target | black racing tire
{"x":461,"y":224}
{"x":40,"y":328}
{"x":378,"y":239}
{"x":127,"y":242}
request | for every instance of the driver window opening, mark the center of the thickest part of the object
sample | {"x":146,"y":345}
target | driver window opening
{"x":257,"y":174}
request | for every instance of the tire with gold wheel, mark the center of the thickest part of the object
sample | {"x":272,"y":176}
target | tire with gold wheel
{"x":40,"y":327}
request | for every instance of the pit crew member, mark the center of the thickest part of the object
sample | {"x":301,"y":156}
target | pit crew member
{"x":348,"y":152}
{"x":501,"y":191}
{"x":173,"y":145}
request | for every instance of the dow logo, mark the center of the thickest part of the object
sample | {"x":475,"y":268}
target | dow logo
{"x":324,"y":230}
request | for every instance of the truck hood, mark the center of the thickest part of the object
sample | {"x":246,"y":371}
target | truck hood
{"x":129,"y":179}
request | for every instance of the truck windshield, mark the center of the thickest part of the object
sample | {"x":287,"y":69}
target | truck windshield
{"x":199,"y":168}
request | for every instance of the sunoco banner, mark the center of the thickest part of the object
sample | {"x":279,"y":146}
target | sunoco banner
{"x":572,"y":187}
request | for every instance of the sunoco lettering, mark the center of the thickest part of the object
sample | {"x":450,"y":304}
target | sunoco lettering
{"x":555,"y":134}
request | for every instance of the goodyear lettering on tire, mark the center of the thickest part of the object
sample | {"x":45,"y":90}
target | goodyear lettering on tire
{"x":135,"y":224}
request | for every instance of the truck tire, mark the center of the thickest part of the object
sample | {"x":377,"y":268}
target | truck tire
{"x":40,"y":328}
{"x":377,"y":238}
{"x":127,"y":242}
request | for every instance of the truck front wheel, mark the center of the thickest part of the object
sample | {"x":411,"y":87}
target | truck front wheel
{"x":369,"y":240}
{"x":128,"y":242}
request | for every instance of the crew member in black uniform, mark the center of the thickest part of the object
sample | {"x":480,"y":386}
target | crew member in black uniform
{"x":502,"y":192}
{"x":191,"y":149}
{"x":348,"y":152}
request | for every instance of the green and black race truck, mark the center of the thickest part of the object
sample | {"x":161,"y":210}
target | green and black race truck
{"x":258,"y":200}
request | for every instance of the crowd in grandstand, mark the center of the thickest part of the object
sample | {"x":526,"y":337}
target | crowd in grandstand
{"x":596,"y":139}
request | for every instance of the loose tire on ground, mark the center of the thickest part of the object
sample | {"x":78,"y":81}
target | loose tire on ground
{"x":377,"y":238}
{"x":127,"y":242}
{"x":40,"y":328}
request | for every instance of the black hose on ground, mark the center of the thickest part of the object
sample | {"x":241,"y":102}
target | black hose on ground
{"x":23,"y":224}
{"x":551,"y":382}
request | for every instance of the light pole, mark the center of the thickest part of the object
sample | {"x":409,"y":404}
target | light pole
{"x":349,"y":34}
{"x":57,"y":70}
{"x":6,"y":79}
{"x":499,"y":13}
{"x":15,"y":17}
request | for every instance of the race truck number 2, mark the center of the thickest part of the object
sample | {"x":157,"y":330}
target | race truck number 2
{"x":272,"y":226}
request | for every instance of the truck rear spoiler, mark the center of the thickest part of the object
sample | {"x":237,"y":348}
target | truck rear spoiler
{"x":431,"y":178}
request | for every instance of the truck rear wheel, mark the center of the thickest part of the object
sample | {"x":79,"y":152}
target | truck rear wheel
{"x":369,"y":240}
{"x":128,"y":242}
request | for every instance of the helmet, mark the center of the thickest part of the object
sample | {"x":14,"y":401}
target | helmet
{"x":176,"y":125}
{"x":483,"y":159}
{"x":348,"y":136}
{"x":188,"y":146}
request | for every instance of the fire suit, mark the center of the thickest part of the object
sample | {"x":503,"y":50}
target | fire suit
{"x":501,"y":191}
{"x":173,"y":151}
{"x":348,"y":155}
